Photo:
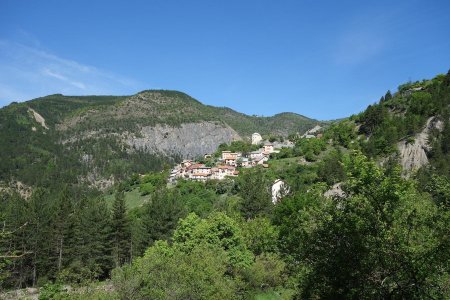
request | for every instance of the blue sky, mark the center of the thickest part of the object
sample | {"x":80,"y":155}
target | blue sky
{"x":322,"y":59}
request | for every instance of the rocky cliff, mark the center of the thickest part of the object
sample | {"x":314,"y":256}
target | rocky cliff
{"x":413,"y":153}
{"x":189,"y":140}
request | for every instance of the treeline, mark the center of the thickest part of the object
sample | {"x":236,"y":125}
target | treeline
{"x":225,"y":239}
{"x":74,"y":236}
{"x":63,"y":235}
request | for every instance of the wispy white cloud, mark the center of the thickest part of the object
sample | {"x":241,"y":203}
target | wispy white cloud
{"x":28,"y":72}
{"x":53,"y":74}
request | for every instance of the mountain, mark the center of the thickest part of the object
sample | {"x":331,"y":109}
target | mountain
{"x":99,"y":139}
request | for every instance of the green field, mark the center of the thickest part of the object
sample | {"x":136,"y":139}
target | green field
{"x":133,"y":199}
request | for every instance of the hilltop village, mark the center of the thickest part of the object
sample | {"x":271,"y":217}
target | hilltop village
{"x":227,"y":163}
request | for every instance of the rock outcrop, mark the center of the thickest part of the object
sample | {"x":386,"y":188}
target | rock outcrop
{"x":40,"y":119}
{"x":413,"y":155}
{"x":189,"y":140}
{"x":311,"y":133}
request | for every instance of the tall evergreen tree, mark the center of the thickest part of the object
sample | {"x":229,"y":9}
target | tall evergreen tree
{"x":388,"y":96}
{"x":63,"y":215}
{"x":120,"y":230}
{"x":162,"y":215}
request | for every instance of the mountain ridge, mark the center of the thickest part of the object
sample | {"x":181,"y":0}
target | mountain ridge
{"x":121,"y":134}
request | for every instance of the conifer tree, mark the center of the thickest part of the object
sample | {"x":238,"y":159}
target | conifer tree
{"x":162,"y":215}
{"x":63,"y":214}
{"x":388,"y":96}
{"x":120,"y":230}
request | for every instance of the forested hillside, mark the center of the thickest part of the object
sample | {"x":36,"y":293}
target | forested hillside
{"x":354,"y":223}
{"x":97,"y":140}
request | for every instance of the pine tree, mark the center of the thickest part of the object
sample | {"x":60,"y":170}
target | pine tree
{"x":162,"y":215}
{"x":388,"y":96}
{"x":40,"y":222}
{"x":98,"y":231}
{"x":64,"y":212}
{"x":120,"y":230}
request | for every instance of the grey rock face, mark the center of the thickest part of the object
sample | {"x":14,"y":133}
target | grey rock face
{"x":336,"y":191}
{"x":414,"y":155}
{"x":190,"y":140}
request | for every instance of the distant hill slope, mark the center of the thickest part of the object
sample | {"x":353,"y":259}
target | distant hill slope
{"x":174,"y":108}
{"x":98,"y":139}
{"x":410,"y":126}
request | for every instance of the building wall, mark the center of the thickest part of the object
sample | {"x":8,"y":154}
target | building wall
{"x":256,"y":138}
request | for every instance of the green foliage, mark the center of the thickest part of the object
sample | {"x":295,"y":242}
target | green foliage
{"x":372,"y":118}
{"x":166,"y":272}
{"x":439,"y":189}
{"x":254,"y":189}
{"x":237,"y":146}
{"x":218,"y":230}
{"x":260,"y":235}
{"x":342,"y":134}
{"x":331,"y":169}
{"x":151,"y":182}
{"x":51,"y":291}
{"x":380,"y":242}
{"x":266,"y":272}
{"x":120,"y":230}
{"x":52,"y":232}
{"x":161,"y":215}
{"x":207,"y":260}
{"x":310,"y":148}
{"x":197,"y":196}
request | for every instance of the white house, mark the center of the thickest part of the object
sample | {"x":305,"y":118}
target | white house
{"x":200,"y":169}
{"x":256,"y":154}
{"x":244,"y":162}
{"x":230,"y":155}
{"x":256,"y":138}
{"x":230,"y":162}
{"x":200,"y":177}
{"x":268,"y":147}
